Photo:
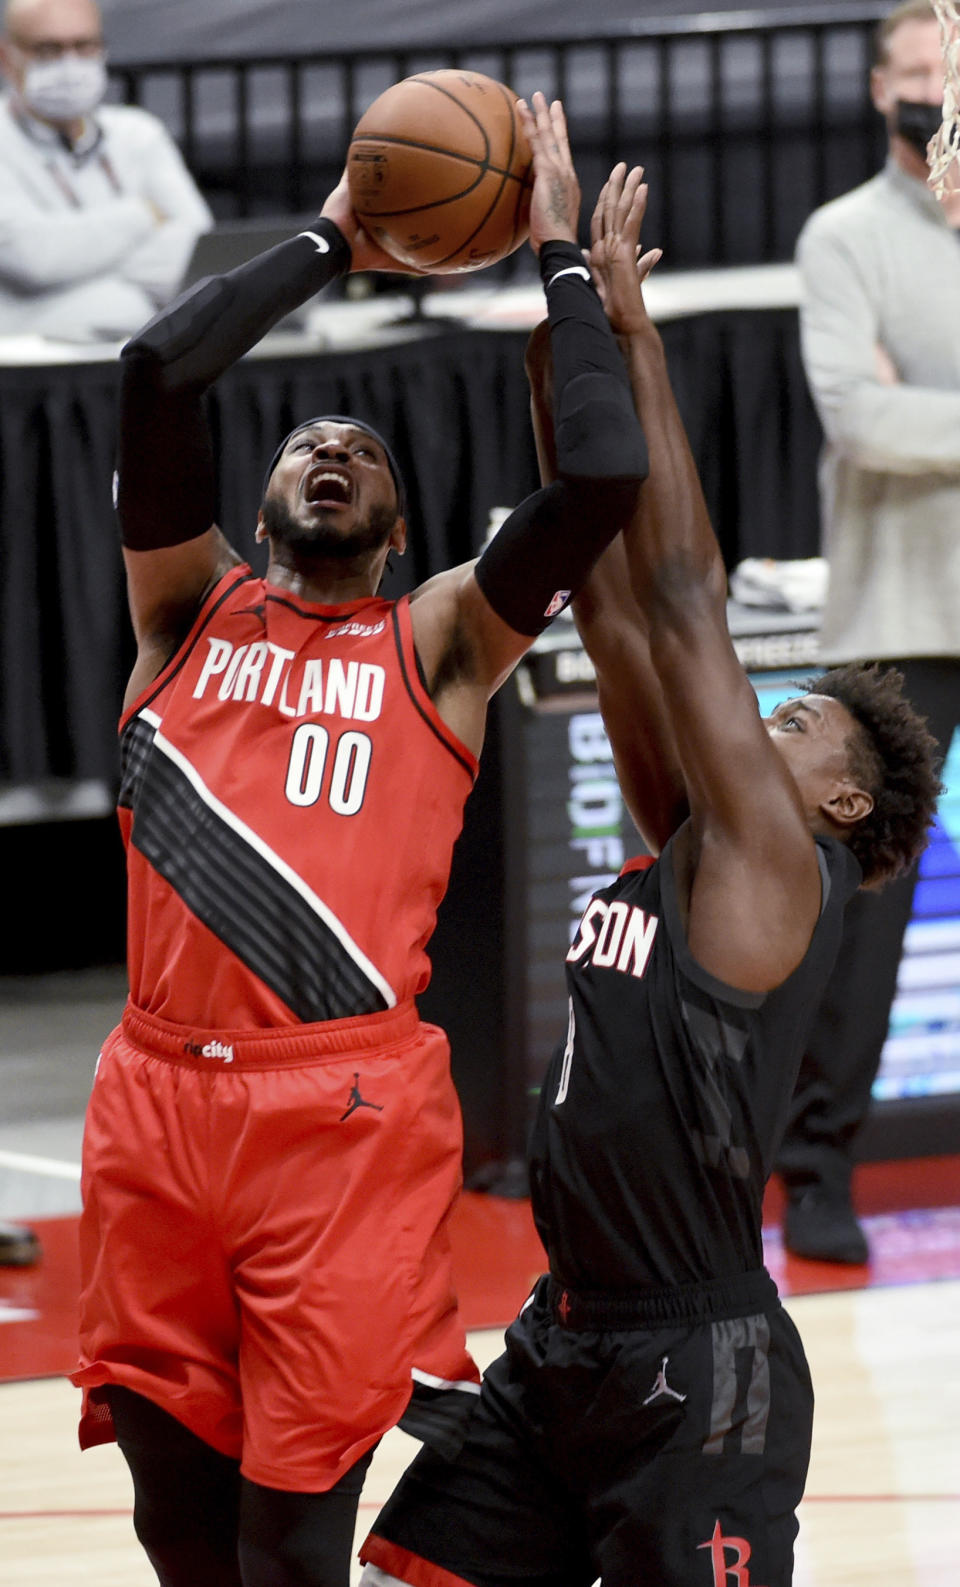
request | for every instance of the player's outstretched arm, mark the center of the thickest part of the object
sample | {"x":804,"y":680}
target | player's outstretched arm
{"x":473,"y":624}
{"x":615,"y":636}
{"x":165,"y":477}
{"x":750,"y":871}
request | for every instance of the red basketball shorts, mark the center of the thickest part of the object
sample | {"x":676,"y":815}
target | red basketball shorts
{"x":264,"y":1239}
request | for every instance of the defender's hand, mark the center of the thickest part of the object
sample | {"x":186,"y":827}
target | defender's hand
{"x":616,"y":263}
{"x":555,"y":201}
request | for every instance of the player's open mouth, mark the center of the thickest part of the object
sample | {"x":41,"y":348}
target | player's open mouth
{"x":328,"y":485}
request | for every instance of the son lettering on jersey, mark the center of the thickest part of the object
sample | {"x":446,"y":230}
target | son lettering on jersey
{"x":266,"y":674}
{"x":616,"y":936}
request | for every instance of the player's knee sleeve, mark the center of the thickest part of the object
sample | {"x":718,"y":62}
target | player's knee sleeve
{"x":292,"y":1539}
{"x":186,"y":1495}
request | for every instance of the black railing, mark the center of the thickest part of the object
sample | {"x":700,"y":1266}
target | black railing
{"x":744,"y":121}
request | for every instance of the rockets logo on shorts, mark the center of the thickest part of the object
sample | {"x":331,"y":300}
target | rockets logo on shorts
{"x":557,"y":602}
{"x":736,"y":1570}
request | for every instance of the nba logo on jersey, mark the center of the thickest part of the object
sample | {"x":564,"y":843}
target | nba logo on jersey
{"x":557,"y":603}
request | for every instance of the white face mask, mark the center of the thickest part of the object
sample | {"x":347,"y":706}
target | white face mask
{"x":64,"y":89}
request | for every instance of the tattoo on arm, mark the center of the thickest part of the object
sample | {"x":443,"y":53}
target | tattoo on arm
{"x":558,"y":205}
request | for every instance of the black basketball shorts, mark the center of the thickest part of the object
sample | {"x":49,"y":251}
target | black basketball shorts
{"x":664,"y":1449}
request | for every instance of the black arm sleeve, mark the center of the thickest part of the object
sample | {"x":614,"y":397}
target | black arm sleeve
{"x":165,"y":472}
{"x":542,"y":554}
{"x":598,"y":434}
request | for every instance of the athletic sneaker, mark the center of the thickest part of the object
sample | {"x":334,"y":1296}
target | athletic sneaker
{"x":19,"y":1246}
{"x":824,"y":1228}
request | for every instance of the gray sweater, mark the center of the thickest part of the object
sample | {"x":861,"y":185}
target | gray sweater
{"x":82,"y":256}
{"x":881,"y":265}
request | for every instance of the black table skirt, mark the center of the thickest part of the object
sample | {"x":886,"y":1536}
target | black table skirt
{"x":453,"y":403}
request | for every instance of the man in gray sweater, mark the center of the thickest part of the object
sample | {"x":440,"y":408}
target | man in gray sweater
{"x":98,"y":213}
{"x":880,"y":327}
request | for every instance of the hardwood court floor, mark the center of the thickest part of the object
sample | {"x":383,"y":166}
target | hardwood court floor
{"x":883,"y":1498}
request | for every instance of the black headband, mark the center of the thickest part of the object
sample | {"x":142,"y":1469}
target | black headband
{"x":344,"y":418}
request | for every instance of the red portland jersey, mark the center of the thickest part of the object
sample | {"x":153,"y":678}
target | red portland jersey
{"x":290,"y":800}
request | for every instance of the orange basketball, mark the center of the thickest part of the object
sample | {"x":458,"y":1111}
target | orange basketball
{"x":440,"y":171}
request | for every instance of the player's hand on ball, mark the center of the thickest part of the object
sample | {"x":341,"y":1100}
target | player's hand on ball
{"x":365,"y":254}
{"x":618,"y":267}
{"x":555,"y":201}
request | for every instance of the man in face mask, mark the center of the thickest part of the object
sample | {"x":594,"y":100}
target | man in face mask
{"x":906,"y":86}
{"x":880,"y":327}
{"x":98,"y":214}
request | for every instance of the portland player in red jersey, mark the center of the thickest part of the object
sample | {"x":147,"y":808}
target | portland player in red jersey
{"x":649,"y":1422}
{"x":272,"y":1146}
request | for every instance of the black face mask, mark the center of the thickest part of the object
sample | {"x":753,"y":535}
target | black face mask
{"x":917,"y":123}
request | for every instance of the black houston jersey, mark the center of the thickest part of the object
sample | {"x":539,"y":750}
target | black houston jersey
{"x":660,"y":1117}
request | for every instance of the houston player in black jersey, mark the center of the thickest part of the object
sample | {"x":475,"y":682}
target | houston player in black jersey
{"x":649,"y":1423}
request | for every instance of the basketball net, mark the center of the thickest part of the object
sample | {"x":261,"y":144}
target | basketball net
{"x":943,"y":154}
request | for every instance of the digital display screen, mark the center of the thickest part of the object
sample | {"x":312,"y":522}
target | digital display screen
{"x":921,"y":1056}
{"x":578,"y":834}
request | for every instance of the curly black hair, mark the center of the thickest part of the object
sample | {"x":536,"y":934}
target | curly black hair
{"x":894,"y":758}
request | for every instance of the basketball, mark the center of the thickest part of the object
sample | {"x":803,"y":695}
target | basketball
{"x":440,"y":173}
